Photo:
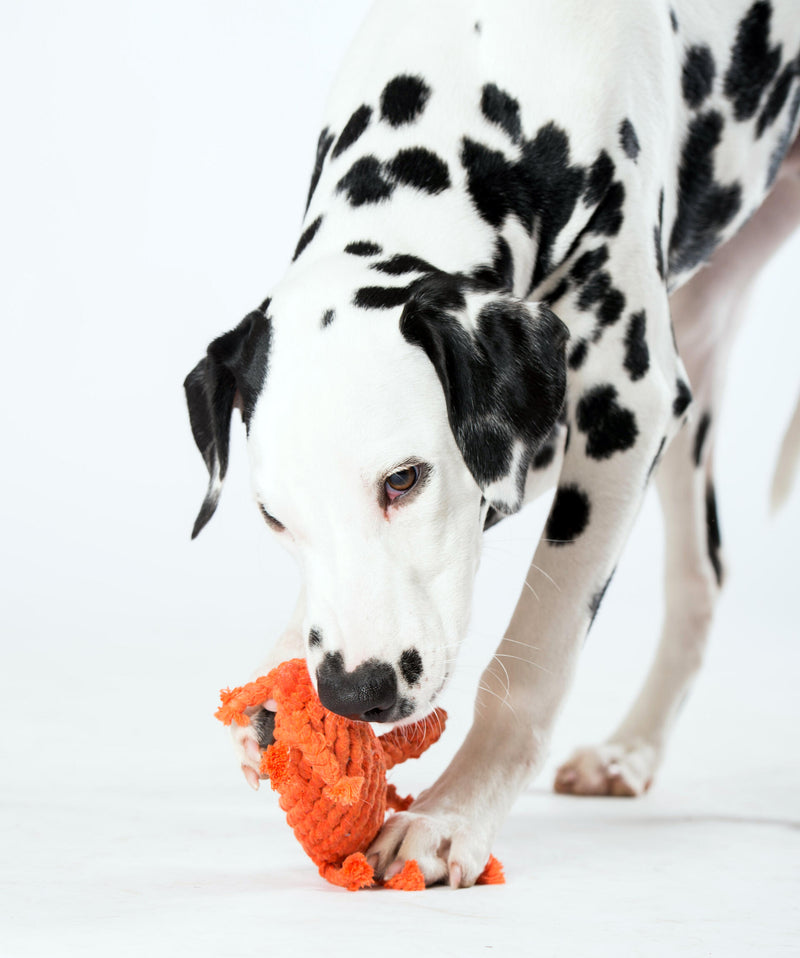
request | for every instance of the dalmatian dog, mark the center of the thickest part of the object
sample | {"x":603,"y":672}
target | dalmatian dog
{"x":529,"y":235}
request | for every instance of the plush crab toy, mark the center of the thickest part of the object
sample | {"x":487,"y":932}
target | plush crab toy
{"x":330,"y":773}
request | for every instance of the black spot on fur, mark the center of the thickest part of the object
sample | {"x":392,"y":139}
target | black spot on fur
{"x":700,"y":437}
{"x":501,"y":108}
{"x":555,"y":187}
{"x":609,"y":427}
{"x":601,"y":176}
{"x":607,"y":218}
{"x":263,"y":724}
{"x":411,"y":666}
{"x":541,"y":188}
{"x":777,"y":96}
{"x":673,"y":19}
{"x":657,"y":236}
{"x":705,"y":207}
{"x":597,"y":598}
{"x":503,"y":379}
{"x":314,"y":638}
{"x":499,"y":275}
{"x":353,"y":129}
{"x":713,"y":538}
{"x":637,"y":354}
{"x":682,"y":399}
{"x":404,"y":707}
{"x":403,"y":99}
{"x":421,"y":169}
{"x":308,"y":234}
{"x":697,"y":76}
{"x":403,"y":263}
{"x":594,"y":290}
{"x":628,"y":139}
{"x":577,"y":356}
{"x":328,"y":317}
{"x":611,"y":307}
{"x":364,"y":182}
{"x":363,"y":248}
{"x":478,"y":27}
{"x":489,"y":180}
{"x":569,"y":515}
{"x":598,"y":294}
{"x":323,"y":145}
{"x":753,"y":63}
{"x":588,"y":263}
{"x":544,"y":456}
{"x":381,"y":297}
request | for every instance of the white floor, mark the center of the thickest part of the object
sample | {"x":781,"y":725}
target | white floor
{"x":158,"y":195}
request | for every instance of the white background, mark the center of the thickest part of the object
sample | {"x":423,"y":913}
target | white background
{"x":155,"y":160}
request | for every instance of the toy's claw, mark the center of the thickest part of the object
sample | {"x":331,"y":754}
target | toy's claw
{"x":251,"y":776}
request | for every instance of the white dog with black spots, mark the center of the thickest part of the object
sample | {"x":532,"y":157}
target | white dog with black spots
{"x":498,"y":289}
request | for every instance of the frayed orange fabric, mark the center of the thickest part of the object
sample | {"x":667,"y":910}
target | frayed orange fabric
{"x":330,"y":774}
{"x":492,"y":874}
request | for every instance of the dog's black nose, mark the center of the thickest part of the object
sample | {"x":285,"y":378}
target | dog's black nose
{"x":368,"y":693}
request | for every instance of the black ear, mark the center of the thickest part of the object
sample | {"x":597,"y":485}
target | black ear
{"x":502,"y":367}
{"x":232,"y":371}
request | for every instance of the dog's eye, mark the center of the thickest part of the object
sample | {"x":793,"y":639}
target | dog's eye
{"x":400,"y":482}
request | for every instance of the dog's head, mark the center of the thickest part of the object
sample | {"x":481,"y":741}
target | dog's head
{"x":378,"y":440}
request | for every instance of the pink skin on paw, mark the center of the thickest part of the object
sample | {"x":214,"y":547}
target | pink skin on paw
{"x":252,"y":751}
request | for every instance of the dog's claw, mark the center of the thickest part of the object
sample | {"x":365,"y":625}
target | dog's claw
{"x":252,"y":750}
{"x":252,"y":777}
{"x":394,"y":869}
{"x":456,"y":874}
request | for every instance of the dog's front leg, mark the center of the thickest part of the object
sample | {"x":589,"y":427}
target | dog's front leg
{"x":615,"y":436}
{"x":249,"y":740}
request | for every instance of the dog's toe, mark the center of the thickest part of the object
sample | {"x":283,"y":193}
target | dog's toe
{"x":444,"y":851}
{"x":622,"y":771}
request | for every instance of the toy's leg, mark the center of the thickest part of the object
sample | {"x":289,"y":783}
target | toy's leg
{"x":706,"y":313}
{"x":249,"y":740}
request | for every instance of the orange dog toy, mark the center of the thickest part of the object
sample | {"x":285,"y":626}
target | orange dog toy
{"x":330,"y":773}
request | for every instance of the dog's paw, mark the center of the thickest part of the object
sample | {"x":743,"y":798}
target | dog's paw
{"x":444,"y":845}
{"x":250,"y":740}
{"x":609,"y":769}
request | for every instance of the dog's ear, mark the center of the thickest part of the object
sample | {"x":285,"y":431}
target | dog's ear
{"x":231,"y":373}
{"x":501,"y":363}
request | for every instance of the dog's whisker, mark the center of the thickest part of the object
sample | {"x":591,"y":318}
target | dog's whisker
{"x":546,"y":575}
{"x":529,"y":586}
{"x":506,"y":655}
{"x":501,"y":700}
{"x":496,"y":658}
{"x":526,"y":645}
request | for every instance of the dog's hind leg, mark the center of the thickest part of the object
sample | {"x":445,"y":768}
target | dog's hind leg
{"x":705,"y":315}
